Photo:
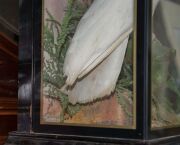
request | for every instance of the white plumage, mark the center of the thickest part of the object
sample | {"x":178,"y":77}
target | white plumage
{"x":95,"y":56}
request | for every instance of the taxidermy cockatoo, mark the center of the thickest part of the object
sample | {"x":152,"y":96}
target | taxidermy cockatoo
{"x":95,"y":56}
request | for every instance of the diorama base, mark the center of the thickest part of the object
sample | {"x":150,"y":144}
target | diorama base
{"x":16,"y":138}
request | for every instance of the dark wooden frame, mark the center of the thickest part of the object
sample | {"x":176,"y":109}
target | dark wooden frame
{"x":156,"y":132}
{"x":143,"y":77}
{"x":67,"y":129}
{"x":29,"y":127}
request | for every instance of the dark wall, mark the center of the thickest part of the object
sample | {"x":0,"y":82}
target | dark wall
{"x":9,"y":33}
{"x":9,"y":18}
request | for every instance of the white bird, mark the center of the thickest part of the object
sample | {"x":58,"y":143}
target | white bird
{"x":95,"y":56}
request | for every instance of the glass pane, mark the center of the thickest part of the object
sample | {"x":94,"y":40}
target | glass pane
{"x":165,"y":64}
{"x":88,"y":63}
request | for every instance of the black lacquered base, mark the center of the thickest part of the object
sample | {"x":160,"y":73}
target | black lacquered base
{"x":16,"y":138}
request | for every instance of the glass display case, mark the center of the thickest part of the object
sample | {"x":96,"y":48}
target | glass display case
{"x":88,"y":72}
{"x":99,"y":71}
{"x":165,"y":65}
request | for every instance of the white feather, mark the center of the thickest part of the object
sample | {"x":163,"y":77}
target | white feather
{"x":97,"y":50}
{"x":102,"y":80}
{"x":103,"y":23}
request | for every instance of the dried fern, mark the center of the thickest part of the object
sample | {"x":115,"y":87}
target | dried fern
{"x":55,"y":49}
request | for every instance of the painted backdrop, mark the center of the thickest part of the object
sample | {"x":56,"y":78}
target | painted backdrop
{"x":88,"y":63}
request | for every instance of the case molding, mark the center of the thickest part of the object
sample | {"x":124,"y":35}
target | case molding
{"x":16,"y":138}
{"x":29,"y":55}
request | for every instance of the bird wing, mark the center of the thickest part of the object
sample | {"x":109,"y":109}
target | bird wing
{"x":98,"y":34}
{"x":102,"y":80}
{"x":99,"y":57}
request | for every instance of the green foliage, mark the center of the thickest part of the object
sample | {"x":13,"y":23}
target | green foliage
{"x":124,"y":84}
{"x":165,"y":90}
{"x":55,"y":48}
{"x":73,"y":109}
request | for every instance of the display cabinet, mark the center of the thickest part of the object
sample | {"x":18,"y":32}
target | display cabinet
{"x":99,"y":72}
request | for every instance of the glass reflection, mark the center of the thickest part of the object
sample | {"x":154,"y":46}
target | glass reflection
{"x":165,"y":63}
